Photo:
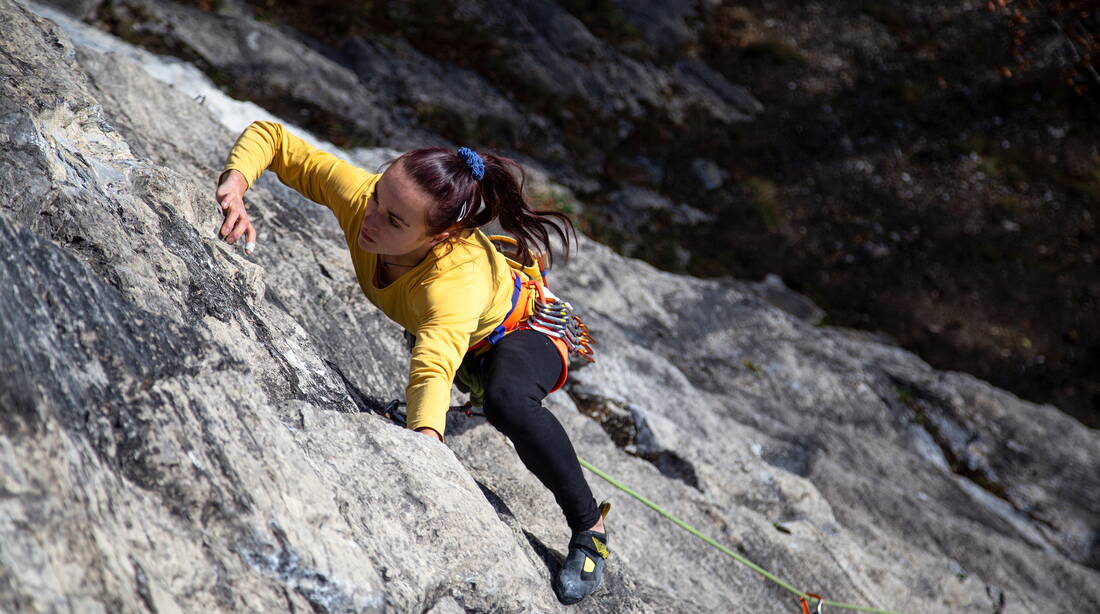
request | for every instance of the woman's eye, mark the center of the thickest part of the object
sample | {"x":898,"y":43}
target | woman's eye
{"x":393,"y":222}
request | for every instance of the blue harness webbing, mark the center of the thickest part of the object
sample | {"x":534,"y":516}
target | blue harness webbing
{"x":499,"y":332}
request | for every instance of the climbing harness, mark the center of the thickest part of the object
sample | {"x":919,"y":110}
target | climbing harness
{"x":550,"y":315}
{"x":555,"y":318}
{"x":535,"y":307}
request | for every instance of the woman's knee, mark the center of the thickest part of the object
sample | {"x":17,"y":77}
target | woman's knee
{"x":507,"y":407}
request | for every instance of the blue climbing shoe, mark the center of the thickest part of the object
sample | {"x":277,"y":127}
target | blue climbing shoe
{"x":580,"y":573}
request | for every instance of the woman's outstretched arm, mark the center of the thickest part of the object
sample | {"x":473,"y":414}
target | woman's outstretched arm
{"x":447,"y":312}
{"x":316,"y":174}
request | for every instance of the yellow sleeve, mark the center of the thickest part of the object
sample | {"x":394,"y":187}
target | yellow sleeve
{"x":449,"y":308}
{"x":315,"y":174}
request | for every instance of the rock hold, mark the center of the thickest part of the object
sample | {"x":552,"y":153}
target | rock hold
{"x":182,"y":429}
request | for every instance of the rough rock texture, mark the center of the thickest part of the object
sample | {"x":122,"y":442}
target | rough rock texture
{"x":186,"y":429}
{"x":434,"y":78}
{"x":883,"y":164}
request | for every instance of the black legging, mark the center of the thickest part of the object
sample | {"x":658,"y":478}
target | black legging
{"x":517,"y":373}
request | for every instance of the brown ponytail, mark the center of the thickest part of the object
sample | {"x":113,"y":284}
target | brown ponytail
{"x":449,"y":180}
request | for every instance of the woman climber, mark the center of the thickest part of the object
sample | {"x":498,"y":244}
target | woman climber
{"x":419,"y":254}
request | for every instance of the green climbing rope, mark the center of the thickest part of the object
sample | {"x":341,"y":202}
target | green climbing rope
{"x":753,"y":566}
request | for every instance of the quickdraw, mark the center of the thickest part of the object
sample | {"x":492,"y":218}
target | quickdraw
{"x":806,"y":605}
{"x":550,"y":315}
{"x":555,"y":318}
{"x":392,"y":410}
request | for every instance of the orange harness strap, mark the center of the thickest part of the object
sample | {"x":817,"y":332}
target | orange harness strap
{"x":521,"y":297}
{"x":516,"y":320}
{"x":563,"y":351}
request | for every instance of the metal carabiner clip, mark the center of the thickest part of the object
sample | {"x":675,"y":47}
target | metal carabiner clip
{"x":806,"y":606}
{"x":390,"y":411}
{"x":549,"y":318}
{"x":585,"y":352}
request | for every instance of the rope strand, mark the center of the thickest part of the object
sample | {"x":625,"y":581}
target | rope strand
{"x":737,"y":557}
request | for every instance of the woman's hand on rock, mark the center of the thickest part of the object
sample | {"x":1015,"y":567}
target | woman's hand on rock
{"x":230,"y":195}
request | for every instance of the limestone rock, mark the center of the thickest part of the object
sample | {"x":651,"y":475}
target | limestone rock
{"x":183,"y":428}
{"x":412,"y":87}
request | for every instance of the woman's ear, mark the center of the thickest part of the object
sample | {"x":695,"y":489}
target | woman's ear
{"x":439,"y":238}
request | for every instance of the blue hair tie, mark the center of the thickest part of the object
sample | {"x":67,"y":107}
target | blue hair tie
{"x":474,"y":161}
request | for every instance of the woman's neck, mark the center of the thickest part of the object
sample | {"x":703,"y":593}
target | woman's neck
{"x":392,"y":267}
{"x":409,"y":260}
{"x":404,"y":261}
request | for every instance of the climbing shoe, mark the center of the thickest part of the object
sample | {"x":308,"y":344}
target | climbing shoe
{"x":580,"y":573}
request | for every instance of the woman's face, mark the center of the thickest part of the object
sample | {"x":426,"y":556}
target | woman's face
{"x":395,"y":222}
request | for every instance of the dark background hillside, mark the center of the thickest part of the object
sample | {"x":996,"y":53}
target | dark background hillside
{"x":927,"y":170}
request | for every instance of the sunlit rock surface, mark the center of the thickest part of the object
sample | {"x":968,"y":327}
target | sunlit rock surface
{"x":183,"y":428}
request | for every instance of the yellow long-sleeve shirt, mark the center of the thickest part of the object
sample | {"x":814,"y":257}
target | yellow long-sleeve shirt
{"x":454,"y":298}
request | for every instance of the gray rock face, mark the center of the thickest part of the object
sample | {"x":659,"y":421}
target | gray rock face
{"x":186,"y":429}
{"x":258,"y":62}
{"x":414,"y":88}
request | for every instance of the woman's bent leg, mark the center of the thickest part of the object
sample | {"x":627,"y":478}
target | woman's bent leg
{"x":518,"y":373}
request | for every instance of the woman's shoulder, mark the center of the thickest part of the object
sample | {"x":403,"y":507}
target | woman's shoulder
{"x":463,"y":252}
{"x":456,"y":274}
{"x":467,"y":260}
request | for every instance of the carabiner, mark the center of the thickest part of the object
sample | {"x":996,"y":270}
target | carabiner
{"x":806,"y":606}
{"x":390,"y":411}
